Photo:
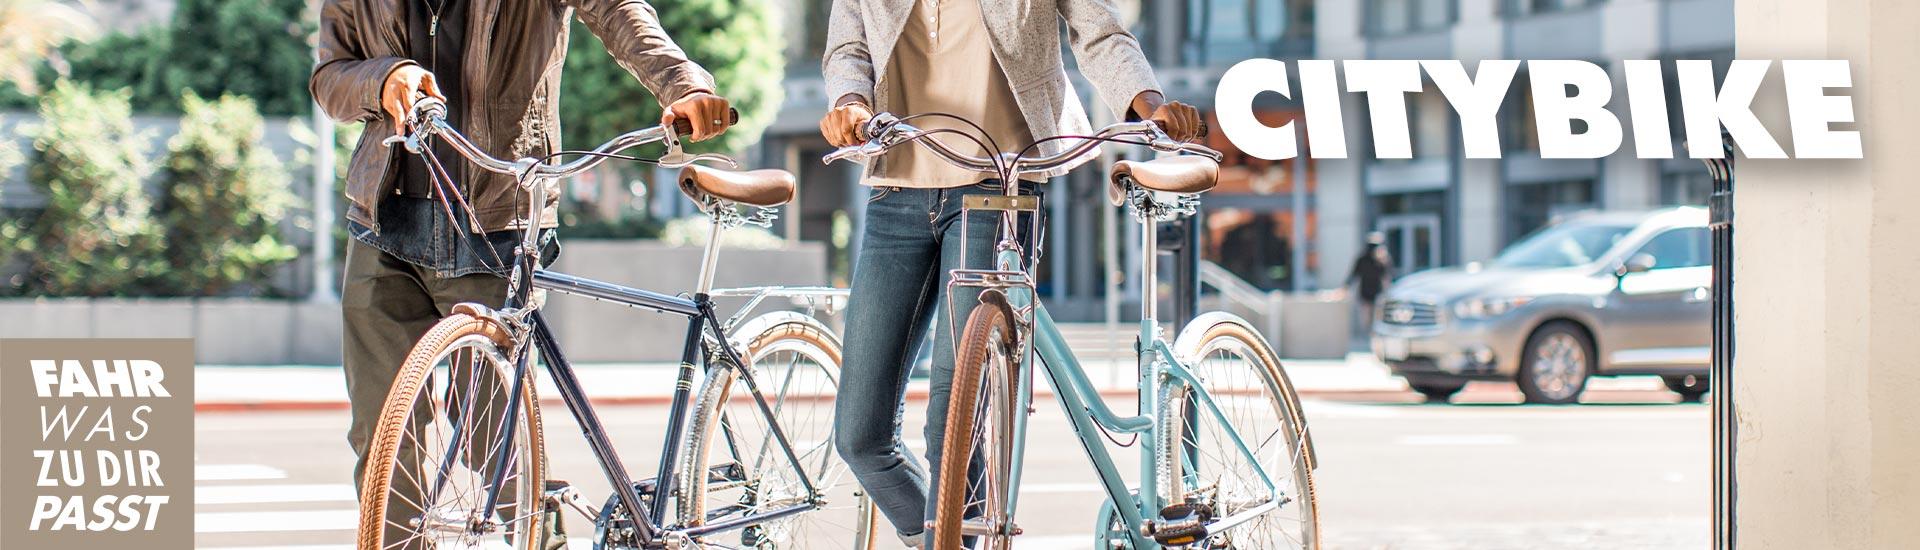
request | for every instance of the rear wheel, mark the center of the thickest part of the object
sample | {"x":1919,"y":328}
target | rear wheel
{"x":1556,"y":364}
{"x":733,"y":467}
{"x":978,"y":433}
{"x":1204,"y":470}
{"x":437,"y":446}
{"x":1691,"y":388}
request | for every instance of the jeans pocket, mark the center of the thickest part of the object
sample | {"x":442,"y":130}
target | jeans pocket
{"x":879,"y":192}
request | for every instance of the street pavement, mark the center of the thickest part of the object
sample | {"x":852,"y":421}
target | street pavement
{"x":1356,"y":376}
{"x":1628,"y":471}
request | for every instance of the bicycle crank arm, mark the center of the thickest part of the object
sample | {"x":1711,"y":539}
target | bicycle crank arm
{"x":562,"y":493}
{"x":980,"y":527}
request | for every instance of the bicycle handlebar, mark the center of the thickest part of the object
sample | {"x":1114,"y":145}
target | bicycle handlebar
{"x":429,"y":117}
{"x":888,"y":131}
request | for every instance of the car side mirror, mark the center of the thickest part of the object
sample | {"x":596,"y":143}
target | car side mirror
{"x":1639,"y":263}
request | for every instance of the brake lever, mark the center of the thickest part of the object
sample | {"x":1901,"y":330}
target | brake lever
{"x":418,"y":118}
{"x":676,"y":157}
{"x":878,"y":130}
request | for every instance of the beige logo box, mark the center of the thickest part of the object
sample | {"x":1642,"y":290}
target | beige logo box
{"x":96,"y":444}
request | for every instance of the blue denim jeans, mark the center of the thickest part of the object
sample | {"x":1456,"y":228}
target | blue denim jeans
{"x":912,"y":238}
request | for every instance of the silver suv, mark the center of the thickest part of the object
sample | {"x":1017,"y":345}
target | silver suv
{"x":1599,"y":294}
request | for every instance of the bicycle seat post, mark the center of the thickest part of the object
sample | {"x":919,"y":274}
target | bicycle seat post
{"x":710,"y":258}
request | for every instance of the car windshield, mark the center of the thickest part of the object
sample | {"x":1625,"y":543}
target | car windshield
{"x":1564,"y":245}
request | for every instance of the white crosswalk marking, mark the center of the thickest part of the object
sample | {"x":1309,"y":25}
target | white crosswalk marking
{"x":1458,"y":439}
{"x":275,"y":522}
{"x":261,"y":494}
{"x":236,"y":472}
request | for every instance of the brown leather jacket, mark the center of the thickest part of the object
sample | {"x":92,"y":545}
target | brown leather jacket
{"x":511,"y":85}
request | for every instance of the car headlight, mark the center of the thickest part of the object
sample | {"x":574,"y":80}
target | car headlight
{"x":1488,"y":307}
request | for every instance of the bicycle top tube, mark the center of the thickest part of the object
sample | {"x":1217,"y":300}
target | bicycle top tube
{"x":429,"y":118}
{"x":889,"y":131}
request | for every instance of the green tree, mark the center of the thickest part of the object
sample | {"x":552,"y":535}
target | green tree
{"x":737,"y":40}
{"x":254,"y":48}
{"x":223,"y":197}
{"x":95,"y":235}
{"x":135,"y":62}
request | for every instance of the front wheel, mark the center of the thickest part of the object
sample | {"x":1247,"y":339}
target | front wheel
{"x":734,"y":467}
{"x":439,"y":444}
{"x":1556,"y":364}
{"x":976,"y":454}
{"x":1212,"y":457}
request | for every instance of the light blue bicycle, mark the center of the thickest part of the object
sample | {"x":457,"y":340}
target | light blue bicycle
{"x":1220,"y":431}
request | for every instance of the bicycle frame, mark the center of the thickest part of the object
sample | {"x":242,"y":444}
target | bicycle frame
{"x":1086,"y":410}
{"x":704,"y":326}
{"x":706,"y":332}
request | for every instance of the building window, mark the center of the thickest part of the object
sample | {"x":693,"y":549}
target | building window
{"x":1232,"y":30}
{"x":1534,"y":205}
{"x":1392,"y":17}
{"x":1521,"y":8}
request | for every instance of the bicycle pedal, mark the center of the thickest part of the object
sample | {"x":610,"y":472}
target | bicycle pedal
{"x":1182,"y":524}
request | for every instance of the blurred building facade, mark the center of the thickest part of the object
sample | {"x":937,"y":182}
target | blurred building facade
{"x":1437,"y":209}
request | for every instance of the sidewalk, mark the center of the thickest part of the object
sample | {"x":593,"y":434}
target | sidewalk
{"x":249,"y":388}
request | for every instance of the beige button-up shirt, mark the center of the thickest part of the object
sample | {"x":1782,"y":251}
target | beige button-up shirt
{"x":944,"y":63}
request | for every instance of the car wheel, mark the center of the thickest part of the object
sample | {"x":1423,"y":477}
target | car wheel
{"x":1438,"y":389}
{"x":1690,"y":387}
{"x":1556,"y":364}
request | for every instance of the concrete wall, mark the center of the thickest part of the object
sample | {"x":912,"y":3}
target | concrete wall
{"x":1826,"y":261}
{"x":270,"y":332}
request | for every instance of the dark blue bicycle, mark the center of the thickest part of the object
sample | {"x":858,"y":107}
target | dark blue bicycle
{"x":458,"y":459}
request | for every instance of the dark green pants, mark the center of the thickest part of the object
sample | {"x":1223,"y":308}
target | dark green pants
{"x":387,"y":305}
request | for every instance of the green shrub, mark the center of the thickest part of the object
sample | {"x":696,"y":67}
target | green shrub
{"x":222,"y":200}
{"x":95,"y":235}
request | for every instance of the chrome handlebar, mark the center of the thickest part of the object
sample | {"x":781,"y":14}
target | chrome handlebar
{"x":429,"y":118}
{"x":888,"y":131}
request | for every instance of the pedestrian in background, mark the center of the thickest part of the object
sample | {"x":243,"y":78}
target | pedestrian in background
{"x":1372,"y":272}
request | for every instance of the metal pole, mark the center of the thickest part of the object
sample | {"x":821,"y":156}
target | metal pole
{"x":323,"y":284}
{"x":1720,"y":374}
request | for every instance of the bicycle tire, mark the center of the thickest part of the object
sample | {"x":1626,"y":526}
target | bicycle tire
{"x":1174,"y":437}
{"x":783,"y":332}
{"x":977,"y":386}
{"x":456,"y":332}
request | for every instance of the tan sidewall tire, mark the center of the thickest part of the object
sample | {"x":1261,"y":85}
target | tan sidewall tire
{"x":714,"y":393}
{"x":399,"y":405}
{"x":1288,"y":401}
{"x":957,"y":440}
